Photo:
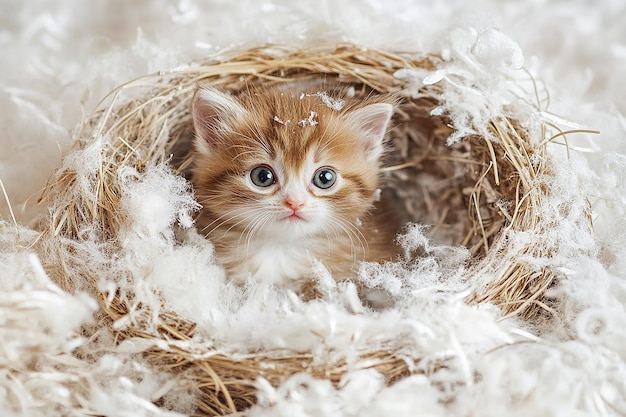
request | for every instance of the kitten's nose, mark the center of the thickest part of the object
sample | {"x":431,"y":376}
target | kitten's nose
{"x":294,"y":203}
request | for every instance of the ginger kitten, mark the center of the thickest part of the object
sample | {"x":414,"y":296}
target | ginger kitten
{"x":286,"y":178}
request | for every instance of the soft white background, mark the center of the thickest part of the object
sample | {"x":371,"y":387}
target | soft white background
{"x":59,"y":58}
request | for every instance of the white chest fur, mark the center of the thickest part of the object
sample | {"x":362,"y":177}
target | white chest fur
{"x":281,"y":262}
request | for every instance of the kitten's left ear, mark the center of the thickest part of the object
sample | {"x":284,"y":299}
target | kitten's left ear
{"x":372,"y":121}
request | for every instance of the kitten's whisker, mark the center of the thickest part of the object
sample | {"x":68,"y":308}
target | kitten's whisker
{"x":353,"y":233}
{"x":256,"y":226}
{"x":227,"y":231}
{"x":328,"y":236}
{"x":248,"y":215}
{"x":261,"y":140}
{"x":242,"y":213}
{"x":249,"y":227}
{"x":328,"y":139}
{"x":327,"y":146}
{"x":361,"y":237}
{"x":243,"y":146}
{"x":219,"y":217}
{"x":243,"y":154}
{"x":250,"y":230}
{"x":260,"y":136}
{"x":228,"y":210}
{"x":349,"y":234}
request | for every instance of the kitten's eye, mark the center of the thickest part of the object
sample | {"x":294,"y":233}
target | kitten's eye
{"x":262,"y":176}
{"x":324,"y":178}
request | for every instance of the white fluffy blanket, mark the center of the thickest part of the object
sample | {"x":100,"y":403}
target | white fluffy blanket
{"x":60,"y":58}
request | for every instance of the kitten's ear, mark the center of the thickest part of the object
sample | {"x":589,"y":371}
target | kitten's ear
{"x":214,"y":112}
{"x":372,"y":121}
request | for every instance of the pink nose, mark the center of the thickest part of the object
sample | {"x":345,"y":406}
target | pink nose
{"x":294,"y":203}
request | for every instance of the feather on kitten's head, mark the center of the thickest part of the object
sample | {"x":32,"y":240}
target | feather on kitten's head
{"x":271,"y":162}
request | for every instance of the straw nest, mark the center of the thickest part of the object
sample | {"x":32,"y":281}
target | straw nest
{"x":146,"y":120}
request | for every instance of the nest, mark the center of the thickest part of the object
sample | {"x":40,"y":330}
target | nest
{"x":147,"y":120}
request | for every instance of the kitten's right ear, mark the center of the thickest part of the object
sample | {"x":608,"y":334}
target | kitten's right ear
{"x":214,"y":113}
{"x":372,"y":120}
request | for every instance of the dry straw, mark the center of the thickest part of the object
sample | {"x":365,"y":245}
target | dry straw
{"x":144,"y":121}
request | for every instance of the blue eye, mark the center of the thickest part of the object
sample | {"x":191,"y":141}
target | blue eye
{"x":324,"y":178}
{"x":262,"y":176}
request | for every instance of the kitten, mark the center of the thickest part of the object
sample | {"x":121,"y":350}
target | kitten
{"x":288,"y":178}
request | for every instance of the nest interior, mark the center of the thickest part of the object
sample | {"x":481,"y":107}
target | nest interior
{"x":452,"y":188}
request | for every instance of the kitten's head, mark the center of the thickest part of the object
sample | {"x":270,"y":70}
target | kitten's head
{"x":269,"y":162}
